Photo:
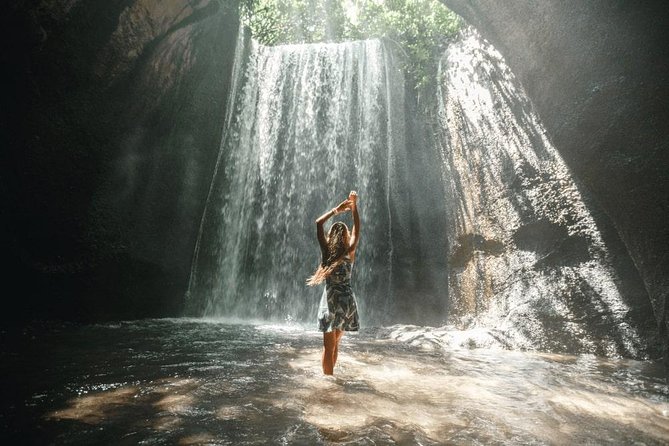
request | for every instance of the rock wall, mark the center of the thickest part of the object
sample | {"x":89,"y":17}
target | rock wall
{"x":527,"y":262}
{"x":110,"y":135}
{"x":597,"y":74}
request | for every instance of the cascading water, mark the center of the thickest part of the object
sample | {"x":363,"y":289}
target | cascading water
{"x":527,"y":261}
{"x":525,"y":265}
{"x":311,"y":122}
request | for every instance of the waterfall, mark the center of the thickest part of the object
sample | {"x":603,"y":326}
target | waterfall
{"x":516,"y":253}
{"x":526,"y":258}
{"x":310,"y":123}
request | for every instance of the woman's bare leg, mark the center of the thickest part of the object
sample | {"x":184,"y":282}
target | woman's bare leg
{"x":338,"y":335}
{"x":329,"y":348}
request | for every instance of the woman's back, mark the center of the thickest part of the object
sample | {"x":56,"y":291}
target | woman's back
{"x":341,"y":275}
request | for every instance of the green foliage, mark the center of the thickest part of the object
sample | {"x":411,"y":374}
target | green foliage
{"x":274,"y":22}
{"x":421,"y":28}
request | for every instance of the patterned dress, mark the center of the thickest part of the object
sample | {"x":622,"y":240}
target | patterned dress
{"x":338,"y":309}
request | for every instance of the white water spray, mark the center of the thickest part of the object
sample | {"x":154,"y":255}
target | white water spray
{"x":311,"y":122}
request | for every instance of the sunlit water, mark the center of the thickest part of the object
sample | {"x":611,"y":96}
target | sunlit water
{"x":186,"y":382}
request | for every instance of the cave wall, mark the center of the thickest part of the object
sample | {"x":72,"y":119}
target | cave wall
{"x":111,"y":125}
{"x":527,"y":261}
{"x":112,"y":114}
{"x":597,"y":74}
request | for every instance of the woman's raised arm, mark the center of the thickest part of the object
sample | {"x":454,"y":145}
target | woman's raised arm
{"x":355,"y":231}
{"x":320,"y":233}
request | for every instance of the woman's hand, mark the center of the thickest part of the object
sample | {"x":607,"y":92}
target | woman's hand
{"x":353,"y":199}
{"x":343,"y":206}
{"x":347,"y":205}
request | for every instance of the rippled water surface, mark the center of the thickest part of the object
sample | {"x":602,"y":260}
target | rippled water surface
{"x":187,"y":382}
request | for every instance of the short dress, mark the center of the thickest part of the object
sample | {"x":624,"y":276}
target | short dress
{"x":338,"y":309}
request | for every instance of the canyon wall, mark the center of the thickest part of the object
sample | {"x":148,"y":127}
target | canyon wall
{"x":111,"y":126}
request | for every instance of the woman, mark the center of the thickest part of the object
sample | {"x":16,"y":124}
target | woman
{"x":338,"y":311}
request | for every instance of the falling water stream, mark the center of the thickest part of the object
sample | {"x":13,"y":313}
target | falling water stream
{"x":312,"y":123}
{"x":309,"y":123}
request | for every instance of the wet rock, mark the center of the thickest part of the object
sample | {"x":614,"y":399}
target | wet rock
{"x":597,"y":74}
{"x":552,"y":243}
{"x":467,"y":244}
{"x":114,"y":134}
{"x":527,"y":258}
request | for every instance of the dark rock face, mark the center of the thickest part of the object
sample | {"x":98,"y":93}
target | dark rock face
{"x":111,"y":129}
{"x":597,"y":73}
{"x":552,"y":243}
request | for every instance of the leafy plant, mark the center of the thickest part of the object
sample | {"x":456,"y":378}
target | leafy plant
{"x":421,"y":28}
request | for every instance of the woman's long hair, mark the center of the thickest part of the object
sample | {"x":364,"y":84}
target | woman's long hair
{"x":337,"y":249}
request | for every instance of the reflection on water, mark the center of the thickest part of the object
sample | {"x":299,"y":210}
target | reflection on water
{"x":193,"y":382}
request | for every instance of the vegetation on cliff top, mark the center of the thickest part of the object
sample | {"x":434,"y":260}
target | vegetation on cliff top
{"x":421,"y":28}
